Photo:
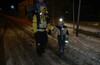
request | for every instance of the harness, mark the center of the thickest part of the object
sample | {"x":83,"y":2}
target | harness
{"x":60,"y":28}
{"x":62,"y":32}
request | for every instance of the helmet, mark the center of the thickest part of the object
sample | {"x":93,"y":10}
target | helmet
{"x":61,"y":19}
{"x":60,"y":22}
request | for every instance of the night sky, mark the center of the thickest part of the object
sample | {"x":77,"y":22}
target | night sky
{"x":90,"y":9}
{"x":5,"y":4}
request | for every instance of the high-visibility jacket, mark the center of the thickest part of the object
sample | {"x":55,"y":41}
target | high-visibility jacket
{"x":39,"y":23}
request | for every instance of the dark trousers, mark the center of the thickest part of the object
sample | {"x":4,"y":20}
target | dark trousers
{"x":61,"y":44}
{"x":41,"y":42}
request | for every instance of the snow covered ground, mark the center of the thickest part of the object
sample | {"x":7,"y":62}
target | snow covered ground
{"x":20,"y":48}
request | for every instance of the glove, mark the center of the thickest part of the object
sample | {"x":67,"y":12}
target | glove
{"x":49,"y":32}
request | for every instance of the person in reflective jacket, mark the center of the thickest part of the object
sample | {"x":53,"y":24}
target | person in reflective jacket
{"x":41,"y":26}
{"x":62,"y":35}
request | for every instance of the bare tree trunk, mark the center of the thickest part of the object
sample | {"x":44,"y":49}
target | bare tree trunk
{"x":77,"y":29}
{"x":73,"y":18}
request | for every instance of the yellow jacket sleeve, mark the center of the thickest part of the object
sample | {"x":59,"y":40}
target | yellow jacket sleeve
{"x":49,"y":27}
{"x":34,"y":24}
